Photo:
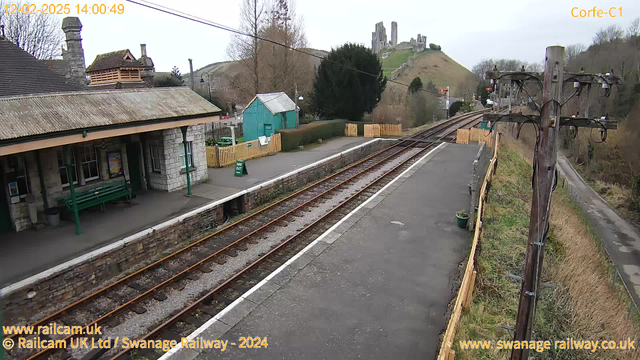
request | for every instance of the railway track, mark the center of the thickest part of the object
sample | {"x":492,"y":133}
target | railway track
{"x":111,"y":306}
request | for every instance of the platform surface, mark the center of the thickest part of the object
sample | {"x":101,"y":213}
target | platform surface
{"x":376,"y":289}
{"x":29,"y":252}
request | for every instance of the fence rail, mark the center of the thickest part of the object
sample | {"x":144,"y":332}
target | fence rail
{"x":350,"y":130}
{"x":463,"y":136}
{"x":465,"y":293}
{"x":391,"y":130}
{"x":225,"y":156}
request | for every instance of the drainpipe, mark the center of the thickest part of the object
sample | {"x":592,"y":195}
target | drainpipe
{"x":186,"y":157}
{"x":43,"y":190}
{"x":74,"y":205}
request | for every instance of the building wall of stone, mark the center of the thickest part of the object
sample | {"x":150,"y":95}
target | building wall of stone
{"x":175,"y":173}
{"x":74,"y":54}
{"x":157,"y":180}
{"x":53,"y":182}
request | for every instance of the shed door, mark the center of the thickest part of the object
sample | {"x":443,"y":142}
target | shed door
{"x":268,"y":130}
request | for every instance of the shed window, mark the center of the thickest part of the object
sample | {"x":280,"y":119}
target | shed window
{"x":189,"y":155}
{"x":64,"y":178}
{"x":89,"y":160}
{"x":156,"y":158}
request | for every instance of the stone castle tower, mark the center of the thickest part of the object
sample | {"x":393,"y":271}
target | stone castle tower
{"x":394,"y":34}
{"x":379,"y":38}
{"x":74,"y":54}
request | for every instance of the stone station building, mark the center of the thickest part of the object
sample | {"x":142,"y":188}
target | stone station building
{"x":135,"y":136}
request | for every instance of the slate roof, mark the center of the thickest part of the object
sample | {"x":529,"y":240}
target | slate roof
{"x":24,"y":116}
{"x":276,"y":102}
{"x":113,"y":60}
{"x":58,"y":66}
{"x":21,"y":73}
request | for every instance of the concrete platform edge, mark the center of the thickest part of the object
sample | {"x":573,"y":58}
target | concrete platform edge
{"x":274,"y":281}
{"x":123,"y":243}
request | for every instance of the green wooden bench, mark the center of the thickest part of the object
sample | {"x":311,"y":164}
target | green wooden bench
{"x":96,"y":196}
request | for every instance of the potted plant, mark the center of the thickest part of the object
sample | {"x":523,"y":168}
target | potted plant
{"x":463,"y":217}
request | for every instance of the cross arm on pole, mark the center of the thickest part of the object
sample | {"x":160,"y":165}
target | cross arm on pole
{"x":609,"y":124}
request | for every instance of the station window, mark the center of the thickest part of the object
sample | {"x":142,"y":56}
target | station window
{"x":156,"y":157}
{"x":89,"y":161}
{"x":64,"y":178}
{"x":21,"y":177}
{"x":189,"y":155}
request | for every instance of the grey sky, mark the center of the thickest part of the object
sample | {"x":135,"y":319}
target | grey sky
{"x":467,"y":30}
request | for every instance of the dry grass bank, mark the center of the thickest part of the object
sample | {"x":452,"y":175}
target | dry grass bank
{"x":585,"y":305}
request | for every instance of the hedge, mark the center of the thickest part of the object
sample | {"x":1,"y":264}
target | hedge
{"x":310,"y":133}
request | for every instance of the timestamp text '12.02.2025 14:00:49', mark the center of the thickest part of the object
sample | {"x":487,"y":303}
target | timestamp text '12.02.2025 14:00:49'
{"x":63,"y":9}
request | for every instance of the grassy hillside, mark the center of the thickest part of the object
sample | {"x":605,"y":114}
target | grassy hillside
{"x":231,"y":68}
{"x":437,"y":67}
{"x":395,"y":60}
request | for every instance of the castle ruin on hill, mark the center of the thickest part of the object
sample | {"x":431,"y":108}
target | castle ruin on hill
{"x":379,"y":40}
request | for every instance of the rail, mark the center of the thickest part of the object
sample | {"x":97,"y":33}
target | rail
{"x":197,"y":303}
{"x":409,"y":143}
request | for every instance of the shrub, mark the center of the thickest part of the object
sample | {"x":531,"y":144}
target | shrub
{"x":454,"y":107}
{"x":310,"y":133}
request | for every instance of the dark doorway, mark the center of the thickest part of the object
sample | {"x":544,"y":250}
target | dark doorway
{"x":5,"y":216}
{"x":133,"y":159}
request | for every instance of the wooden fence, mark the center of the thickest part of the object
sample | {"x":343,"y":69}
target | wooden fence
{"x":391,"y":130}
{"x":350,"y":130}
{"x":463,"y":136}
{"x":372,"y":130}
{"x":226,"y":156}
{"x":465,"y":293}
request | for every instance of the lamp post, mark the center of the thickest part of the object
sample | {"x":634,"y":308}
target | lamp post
{"x":208,"y":83}
{"x":298,"y":97}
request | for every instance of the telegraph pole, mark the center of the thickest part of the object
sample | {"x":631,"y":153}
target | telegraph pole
{"x":543,"y":184}
{"x":547,"y":126}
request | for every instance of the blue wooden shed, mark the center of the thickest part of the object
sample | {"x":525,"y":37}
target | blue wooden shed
{"x":268,"y":113}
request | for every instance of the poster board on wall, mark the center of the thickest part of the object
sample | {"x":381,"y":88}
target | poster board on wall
{"x":114,"y":162}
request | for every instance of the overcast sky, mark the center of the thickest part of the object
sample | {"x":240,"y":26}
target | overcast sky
{"x":467,"y":30}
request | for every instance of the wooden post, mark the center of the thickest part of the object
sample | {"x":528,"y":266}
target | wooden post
{"x":469,"y":297}
{"x":543,"y":180}
{"x":451,"y":355}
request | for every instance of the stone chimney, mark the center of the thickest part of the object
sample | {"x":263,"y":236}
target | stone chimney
{"x":74,"y":55}
{"x":149,"y":70}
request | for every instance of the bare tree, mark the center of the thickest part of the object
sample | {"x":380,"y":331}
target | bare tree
{"x":287,"y":68}
{"x":611,"y":34}
{"x":38,"y":34}
{"x":571,"y":53}
{"x":534,"y":67}
{"x":481,"y":68}
{"x":634,"y":28}
{"x":246,"y":49}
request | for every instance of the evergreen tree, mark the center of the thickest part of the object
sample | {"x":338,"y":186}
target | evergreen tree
{"x":342,"y":92}
{"x":174,"y":79}
{"x":175,"y":74}
{"x":415,"y":86}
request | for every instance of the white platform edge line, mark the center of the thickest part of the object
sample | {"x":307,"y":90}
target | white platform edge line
{"x":122,"y":243}
{"x":257,"y":286}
